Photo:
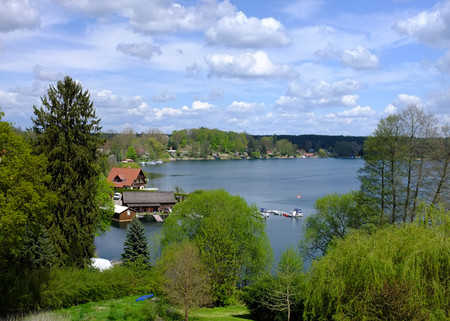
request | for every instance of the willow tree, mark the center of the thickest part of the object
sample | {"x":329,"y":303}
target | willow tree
{"x":67,"y":133}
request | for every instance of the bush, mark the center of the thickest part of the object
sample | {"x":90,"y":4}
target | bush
{"x":398,"y":273}
{"x":71,"y":286}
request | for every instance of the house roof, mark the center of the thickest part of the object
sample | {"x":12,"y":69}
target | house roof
{"x":134,"y":198}
{"x":125,"y":176}
{"x":119,"y":209}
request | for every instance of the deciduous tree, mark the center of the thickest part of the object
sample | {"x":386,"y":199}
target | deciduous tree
{"x":185,"y":278}
{"x":229,"y":233}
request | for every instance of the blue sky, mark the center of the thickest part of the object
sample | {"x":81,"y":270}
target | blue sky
{"x":263,"y":67}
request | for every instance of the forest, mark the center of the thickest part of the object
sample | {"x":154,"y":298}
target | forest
{"x":206,"y":143}
{"x":379,"y":253}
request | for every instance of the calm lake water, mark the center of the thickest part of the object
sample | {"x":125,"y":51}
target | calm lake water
{"x":272,"y":184}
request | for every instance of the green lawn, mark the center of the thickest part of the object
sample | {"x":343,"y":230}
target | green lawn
{"x":127,"y":309}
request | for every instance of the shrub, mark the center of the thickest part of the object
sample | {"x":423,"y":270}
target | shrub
{"x":398,"y":273}
{"x":71,"y":286}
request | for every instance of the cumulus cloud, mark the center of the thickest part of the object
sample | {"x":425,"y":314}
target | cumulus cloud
{"x":164,"y":96}
{"x":242,"y":32}
{"x":404,"y":100}
{"x":390,"y":110}
{"x":357,"y":112}
{"x":322,"y":94}
{"x":249,"y":65}
{"x":185,"y":111}
{"x":244,"y":107}
{"x":18,"y":14}
{"x":430,"y":27}
{"x":143,"y":50}
{"x":156,"y":16}
{"x":41,"y":73}
{"x":359,"y":58}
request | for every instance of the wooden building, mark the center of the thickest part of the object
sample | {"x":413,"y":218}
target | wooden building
{"x":126,"y":177}
{"x":123,"y":213}
{"x":148,"y":202}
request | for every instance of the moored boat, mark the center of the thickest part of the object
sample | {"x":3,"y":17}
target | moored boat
{"x":296,"y":212}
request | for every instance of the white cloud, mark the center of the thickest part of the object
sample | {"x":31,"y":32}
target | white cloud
{"x":357,"y":112}
{"x":242,"y":32}
{"x":404,"y":100}
{"x":244,"y":107}
{"x":321,"y":94}
{"x":250,"y":65}
{"x":143,"y":50}
{"x":390,"y":110}
{"x":155,"y":16}
{"x":164,"y":96}
{"x":359,"y":58}
{"x":303,"y":9}
{"x":201,"y":105}
{"x":443,"y":63}
{"x":18,"y":14}
{"x":430,"y":27}
{"x":41,"y":73}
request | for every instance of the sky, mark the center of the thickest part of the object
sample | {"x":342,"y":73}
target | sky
{"x":257,"y":66}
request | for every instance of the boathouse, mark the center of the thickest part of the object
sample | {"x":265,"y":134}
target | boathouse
{"x":148,"y":202}
{"x":123,"y":214}
{"x":126,"y":177}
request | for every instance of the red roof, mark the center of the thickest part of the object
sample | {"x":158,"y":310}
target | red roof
{"x":122,"y":177}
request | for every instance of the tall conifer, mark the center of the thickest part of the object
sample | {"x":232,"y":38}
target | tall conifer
{"x":67,"y":133}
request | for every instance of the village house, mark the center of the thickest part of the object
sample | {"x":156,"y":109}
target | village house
{"x":123,"y":213}
{"x":147,"y":202}
{"x":126,"y":177}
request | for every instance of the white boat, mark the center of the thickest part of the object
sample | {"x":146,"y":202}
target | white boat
{"x":296,"y":212}
{"x":264,"y":213}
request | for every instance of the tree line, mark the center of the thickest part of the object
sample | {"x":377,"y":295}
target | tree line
{"x":206,"y":143}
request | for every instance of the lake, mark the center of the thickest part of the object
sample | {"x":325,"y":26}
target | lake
{"x":272,"y":184}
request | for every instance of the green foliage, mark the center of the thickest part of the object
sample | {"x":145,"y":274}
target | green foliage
{"x":104,"y":201}
{"x":230,"y":234}
{"x":185,"y":278}
{"x":131,"y":153}
{"x":279,"y":296}
{"x":335,"y":216}
{"x":136,"y":244}
{"x":25,"y":252}
{"x":69,"y":286}
{"x":398,"y":273}
{"x":67,"y":133}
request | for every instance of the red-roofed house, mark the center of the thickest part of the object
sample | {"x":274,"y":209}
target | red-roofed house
{"x":126,"y":177}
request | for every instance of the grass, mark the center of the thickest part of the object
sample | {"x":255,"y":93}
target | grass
{"x":127,"y":309}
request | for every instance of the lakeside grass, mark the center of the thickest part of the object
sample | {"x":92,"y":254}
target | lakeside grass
{"x":127,"y":309}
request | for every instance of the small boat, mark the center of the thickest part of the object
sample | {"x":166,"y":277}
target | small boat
{"x":296,"y":212}
{"x":264,"y":213}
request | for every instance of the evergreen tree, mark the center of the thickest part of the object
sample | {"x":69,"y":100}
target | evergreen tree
{"x":136,"y":245}
{"x":67,"y":133}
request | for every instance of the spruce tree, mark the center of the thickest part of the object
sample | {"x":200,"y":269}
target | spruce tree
{"x":67,"y":133}
{"x":136,"y":244}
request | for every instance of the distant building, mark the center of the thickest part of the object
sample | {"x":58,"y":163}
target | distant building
{"x":148,"y":202}
{"x":123,"y":214}
{"x":126,"y":177}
